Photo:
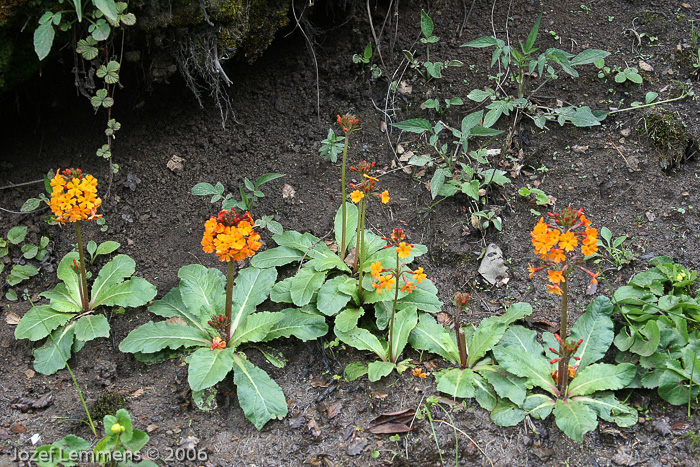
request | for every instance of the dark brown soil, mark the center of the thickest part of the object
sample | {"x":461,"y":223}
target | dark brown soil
{"x":612,"y":171}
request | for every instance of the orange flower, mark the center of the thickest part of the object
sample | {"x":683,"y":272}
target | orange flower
{"x":408,"y":287}
{"x":568,"y":241}
{"x":419,"y":275}
{"x":385,"y":282}
{"x":418,"y":372}
{"x":589,"y":250}
{"x":218,"y":343}
{"x":556,"y":277}
{"x":231,"y":236}
{"x":554,"y":289}
{"x":384,"y":196}
{"x":347,"y":122}
{"x":75,"y":199}
{"x":531,"y":270}
{"x":404,"y":249}
{"x":356,"y":196}
{"x":377,"y":269}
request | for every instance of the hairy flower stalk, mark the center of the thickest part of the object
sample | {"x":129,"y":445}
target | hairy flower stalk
{"x":461,"y":302}
{"x":556,"y":246}
{"x":360,"y":196}
{"x":232,"y":237}
{"x":74,"y":198}
{"x":349,"y":124}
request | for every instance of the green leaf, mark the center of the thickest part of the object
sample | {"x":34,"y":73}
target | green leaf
{"x":30,"y":205}
{"x":347,"y":319}
{"x":172,"y":305}
{"x":427,"y":335}
{"x":39,"y":321}
{"x":203,"y":290}
{"x":377,"y":370}
{"x":596,"y":329}
{"x":355,"y":370}
{"x":505,"y":384}
{"x":107,"y":247}
{"x":206,"y":189}
{"x":588,"y":56}
{"x":52,"y":356}
{"x":64,"y":300}
{"x":330,"y":299}
{"x":100,"y":30}
{"x":538,"y":406}
{"x":114,"y":272}
{"x":487,"y":335}
{"x":362,"y":339}
{"x":575,"y":418}
{"x":134,"y":292}
{"x":109,"y":72}
{"x":507,"y":414}
{"x":30,"y":251}
{"x":601,"y":377}
{"x":254,"y":328}
{"x":438,"y":181}
{"x":414,"y":125}
{"x":108,"y":8}
{"x":86,"y":48}
{"x":207,"y":367}
{"x":532,"y":37}
{"x":510,"y":354}
{"x":404,"y":322}
{"x":494,"y":176}
{"x":610,"y":409}
{"x":259,"y":396}
{"x":21,"y":272}
{"x":252,"y":287}
{"x":426,"y":24}
{"x":646,"y":339}
{"x":43,"y":39}
{"x":482,"y":42}
{"x":477,"y":95}
{"x":152,"y":337}
{"x":265,"y":178}
{"x":17,"y":234}
{"x":275,"y":257}
{"x":280,"y":292}
{"x":298,"y":241}
{"x":351,"y":224}
{"x":91,"y":327}
{"x":297,"y":323}
{"x":456,"y":382}
{"x":305,"y":284}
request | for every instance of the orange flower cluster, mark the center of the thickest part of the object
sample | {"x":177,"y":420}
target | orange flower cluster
{"x":387,"y":281}
{"x":553,"y":242}
{"x":74,"y":196}
{"x":368,"y":184}
{"x":348,"y":123}
{"x":231,"y":236}
{"x":419,"y":373}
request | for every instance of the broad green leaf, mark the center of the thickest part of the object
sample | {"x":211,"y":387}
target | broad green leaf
{"x":477,"y":95}
{"x":30,"y":205}
{"x":324,"y":259}
{"x":505,"y":384}
{"x":107,"y":247}
{"x":275,"y":257}
{"x":484,"y":394}
{"x":203,"y":290}
{"x":523,"y":339}
{"x":427,"y":336}
{"x":596,"y":329}
{"x":675,"y":389}
{"x":52,"y":356}
{"x":575,"y":418}
{"x":487,"y":335}
{"x":482,"y":42}
{"x":91,"y":327}
{"x":494,"y":176}
{"x":86,"y":48}
{"x":347,"y":319}
{"x":507,"y":414}
{"x":404,"y":322}
{"x":69,"y":276}
{"x":533,"y":367}
{"x":39,"y":321}
{"x":21,"y":272}
{"x":377,"y":370}
{"x":646,"y":340}
{"x":424,"y":297}
{"x":456,"y":382}
{"x":438,"y":181}
{"x":134,"y":292}
{"x":350,"y":227}
{"x":114,"y":272}
{"x":265,"y":178}
{"x":538,"y":405}
{"x":330,"y":299}
{"x":254,"y":328}
{"x":259,"y":396}
{"x":362,"y":339}
{"x":280,"y":292}
{"x":207,"y":367}
{"x":17,"y":234}
{"x":426,"y":24}
{"x":205,"y":189}
{"x":305,"y":284}
{"x":588,"y":56}
{"x":601,"y":377}
{"x":515,"y":312}
{"x":152,"y":337}
{"x":252,"y":287}
{"x":43,"y":39}
{"x":108,"y":8}
{"x":297,"y":323}
{"x":100,"y":30}
{"x":610,"y":409}
{"x":414,"y":125}
{"x":355,"y":370}
{"x":298,"y":241}
{"x":172,"y":306}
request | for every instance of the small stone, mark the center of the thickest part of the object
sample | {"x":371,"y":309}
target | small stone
{"x":176,"y":164}
{"x":626,"y":132}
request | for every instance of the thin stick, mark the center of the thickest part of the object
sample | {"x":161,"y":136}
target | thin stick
{"x":620,"y":152}
{"x":469,"y":438}
{"x":34,"y":182}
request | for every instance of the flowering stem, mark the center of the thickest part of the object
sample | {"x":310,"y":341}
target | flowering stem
{"x":343,"y":200}
{"x":461,"y":339}
{"x":359,"y":250}
{"x":229,"y":295}
{"x":392,"y":357}
{"x":563,"y":370}
{"x":83,"y":277}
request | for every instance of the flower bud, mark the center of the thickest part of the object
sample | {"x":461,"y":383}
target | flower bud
{"x":117,"y":428}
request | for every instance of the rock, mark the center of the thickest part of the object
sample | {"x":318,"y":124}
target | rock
{"x":492,"y":267}
{"x":176,"y":164}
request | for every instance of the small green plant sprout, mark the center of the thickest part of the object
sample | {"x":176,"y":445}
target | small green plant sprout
{"x":662,"y":329}
{"x":586,"y":9}
{"x":468,"y":347}
{"x":72,"y":316}
{"x":616,"y":252}
{"x":696,"y":64}
{"x":216,"y":316}
{"x":332,"y":146}
{"x":482,"y":220}
{"x":577,"y":395}
{"x":628,"y":74}
{"x":366,"y":59}
{"x":14,"y":250}
{"x":119,"y":448}
{"x":603,"y":70}
{"x":541,"y":198}
{"x":432,"y":69}
{"x":434,"y":104}
{"x":104,"y":248}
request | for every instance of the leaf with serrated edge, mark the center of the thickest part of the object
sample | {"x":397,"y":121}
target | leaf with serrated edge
{"x":207,"y":367}
{"x":252,"y":287}
{"x":255,"y":327}
{"x":39,"y":321}
{"x":203,"y":290}
{"x":152,"y":337}
{"x":297,"y":323}
{"x":575,"y":418}
{"x":596,"y":329}
{"x":258,"y":395}
{"x":610,"y":409}
{"x":601,"y":377}
{"x":427,"y":336}
{"x":91,"y":327}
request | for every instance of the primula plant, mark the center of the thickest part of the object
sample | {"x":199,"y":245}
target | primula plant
{"x":576,"y":394}
{"x":73,"y":315}
{"x":215,"y":316}
{"x":468,"y":347}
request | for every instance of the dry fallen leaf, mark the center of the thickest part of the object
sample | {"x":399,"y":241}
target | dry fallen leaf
{"x":379,"y":394}
{"x":579,"y":149}
{"x":189,"y":443}
{"x":29,"y":374}
{"x":650,"y":216}
{"x":405,"y":88}
{"x":319,"y":382}
{"x":334,"y":409}
{"x":150,"y":428}
{"x":644,"y":66}
{"x":392,"y":422}
{"x":313,"y":428}
{"x":176,"y":164}
{"x":12,"y":319}
{"x":382,"y":126}
{"x":175,"y":320}
{"x":288,"y":191}
{"x":399,"y":149}
{"x":407,"y":169}
{"x":406,"y":156}
{"x":136,"y":394}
